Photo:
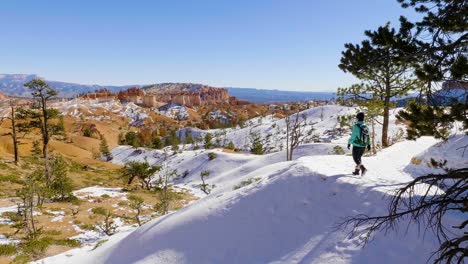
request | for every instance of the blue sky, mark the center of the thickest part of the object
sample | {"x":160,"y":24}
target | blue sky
{"x":275,"y":44}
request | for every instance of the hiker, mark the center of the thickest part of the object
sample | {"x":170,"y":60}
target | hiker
{"x":360,"y":140}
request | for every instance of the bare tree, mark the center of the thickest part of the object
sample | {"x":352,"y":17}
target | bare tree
{"x":425,"y":201}
{"x":297,"y":132}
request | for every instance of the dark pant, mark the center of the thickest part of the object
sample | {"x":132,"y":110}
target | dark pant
{"x":357,"y":154}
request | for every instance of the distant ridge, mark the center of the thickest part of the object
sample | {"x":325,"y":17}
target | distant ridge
{"x":13,"y":85}
{"x":277,"y":96}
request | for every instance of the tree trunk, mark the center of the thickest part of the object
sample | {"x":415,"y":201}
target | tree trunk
{"x":385,"y":127}
{"x":13,"y":134}
{"x":45,"y":140}
{"x":386,"y":115}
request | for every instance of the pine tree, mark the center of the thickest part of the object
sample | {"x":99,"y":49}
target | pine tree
{"x":61,"y":185}
{"x":42,"y":117}
{"x":158,"y":143}
{"x":188,"y":137}
{"x":383,"y":74}
{"x":104,"y":149}
{"x":257,"y":145}
{"x":208,"y":141}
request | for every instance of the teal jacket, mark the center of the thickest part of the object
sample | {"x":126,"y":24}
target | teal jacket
{"x":356,"y":134}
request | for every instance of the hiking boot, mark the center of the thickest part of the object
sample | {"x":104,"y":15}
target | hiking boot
{"x":356,"y":172}
{"x":363,"y":170}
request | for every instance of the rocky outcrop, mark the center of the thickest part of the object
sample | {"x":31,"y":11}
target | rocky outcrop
{"x":101,"y":95}
{"x":133,"y":94}
{"x":2,"y":96}
{"x":188,"y":94}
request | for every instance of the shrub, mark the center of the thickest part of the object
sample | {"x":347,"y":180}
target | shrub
{"x":246,"y":182}
{"x":337,"y":150}
{"x":87,"y":132}
{"x":36,"y":247}
{"x":231,"y":146}
{"x":6,"y":250}
{"x":105,"y":195}
{"x":211,"y":156}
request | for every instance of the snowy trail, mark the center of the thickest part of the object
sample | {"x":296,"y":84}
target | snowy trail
{"x":288,"y":216}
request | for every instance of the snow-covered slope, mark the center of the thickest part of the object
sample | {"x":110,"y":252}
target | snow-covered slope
{"x":285,"y":215}
{"x":323,"y":120}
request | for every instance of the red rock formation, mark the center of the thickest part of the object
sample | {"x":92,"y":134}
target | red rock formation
{"x":133,"y":94}
{"x":189,"y":94}
{"x":3,"y":96}
{"x":103,"y":94}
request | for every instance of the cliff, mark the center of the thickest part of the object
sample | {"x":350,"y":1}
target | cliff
{"x":188,"y":94}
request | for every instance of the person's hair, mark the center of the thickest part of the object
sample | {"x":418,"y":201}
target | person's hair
{"x":360,"y":116}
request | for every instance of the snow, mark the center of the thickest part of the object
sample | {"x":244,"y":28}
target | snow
{"x":287,"y":216}
{"x":80,"y":108}
{"x":97,"y":191}
{"x":264,"y":209}
{"x":5,"y":241}
{"x":323,"y":120}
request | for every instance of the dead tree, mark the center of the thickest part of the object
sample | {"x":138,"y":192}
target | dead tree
{"x":443,"y":194}
{"x":297,"y":132}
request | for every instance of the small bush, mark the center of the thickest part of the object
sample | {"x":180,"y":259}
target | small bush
{"x":22,"y":259}
{"x":246,"y":182}
{"x":87,"y":132}
{"x":105,"y":196}
{"x":337,"y":150}
{"x":11,"y":178}
{"x":211,"y":156}
{"x":122,"y":203}
{"x":7,"y":250}
{"x":36,"y":247}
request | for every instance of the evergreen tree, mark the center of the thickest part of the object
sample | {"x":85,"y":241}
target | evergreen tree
{"x":208,"y":141}
{"x":140,"y":170}
{"x":131,"y":138}
{"x":231,"y":146}
{"x":188,"y":137}
{"x":61,"y":185}
{"x":42,"y":117}
{"x":257,"y":146}
{"x":158,"y":143}
{"x":104,"y":149}
{"x":384,"y":75}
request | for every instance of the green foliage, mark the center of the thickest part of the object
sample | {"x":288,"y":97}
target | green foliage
{"x":257,"y":145}
{"x":141,"y":170}
{"x":87,"y":132}
{"x":173,"y":140}
{"x":36,"y":247}
{"x":427,"y":120}
{"x":204,"y":186}
{"x":131,"y":138}
{"x":61,"y":185}
{"x":230,"y":146}
{"x":157,"y":143}
{"x":22,"y":259}
{"x":246,"y":182}
{"x":188,"y":137}
{"x":36,"y":150}
{"x":104,"y":149}
{"x":7,"y":250}
{"x":105,"y":222}
{"x":208,"y":144}
{"x":337,"y":150}
{"x":136,"y":204}
{"x":211,"y":155}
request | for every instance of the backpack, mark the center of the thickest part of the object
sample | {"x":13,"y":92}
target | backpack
{"x":363,"y":138}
